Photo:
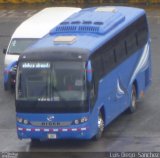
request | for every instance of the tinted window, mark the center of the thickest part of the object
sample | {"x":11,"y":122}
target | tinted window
{"x":97,"y":67}
{"x":108,"y":60}
{"x":120,"y":51}
{"x":17,"y":46}
{"x":120,"y":47}
{"x":142,"y":31}
{"x":131,"y":44}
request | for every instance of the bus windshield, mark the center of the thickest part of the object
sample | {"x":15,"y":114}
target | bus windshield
{"x":45,"y":81}
{"x":17,"y":46}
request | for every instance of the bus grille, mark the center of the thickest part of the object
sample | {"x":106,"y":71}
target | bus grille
{"x":49,"y":124}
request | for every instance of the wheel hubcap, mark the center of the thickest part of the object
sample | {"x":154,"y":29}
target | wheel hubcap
{"x":100,"y":124}
{"x":133,"y":100}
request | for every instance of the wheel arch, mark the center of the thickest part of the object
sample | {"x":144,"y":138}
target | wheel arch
{"x":102,"y":110}
{"x":135,"y":83}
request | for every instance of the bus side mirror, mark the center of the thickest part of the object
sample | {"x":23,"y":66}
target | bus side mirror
{"x":89,"y":72}
{"x":4,"y":51}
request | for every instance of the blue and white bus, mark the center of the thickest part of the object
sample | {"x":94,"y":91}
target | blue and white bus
{"x":83,"y":74}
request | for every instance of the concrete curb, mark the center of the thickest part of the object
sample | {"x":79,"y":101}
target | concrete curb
{"x":147,"y":2}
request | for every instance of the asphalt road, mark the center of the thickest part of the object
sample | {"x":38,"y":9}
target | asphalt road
{"x":129,"y":132}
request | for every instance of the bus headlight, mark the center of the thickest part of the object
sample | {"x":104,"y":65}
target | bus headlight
{"x":23,"y":121}
{"x":26,"y":122}
{"x":80,"y":121}
{"x":20,"y":120}
{"x":76,"y":122}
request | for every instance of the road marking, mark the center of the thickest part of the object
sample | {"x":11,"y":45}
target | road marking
{"x":3,"y":13}
{"x":29,"y":13}
{"x":16,"y":13}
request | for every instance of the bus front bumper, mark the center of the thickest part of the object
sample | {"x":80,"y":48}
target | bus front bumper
{"x":54,"y":133}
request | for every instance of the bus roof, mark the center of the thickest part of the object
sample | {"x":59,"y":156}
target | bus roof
{"x":42,"y":22}
{"x":89,"y":28}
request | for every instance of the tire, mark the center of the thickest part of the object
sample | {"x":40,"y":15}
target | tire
{"x":133,"y":103}
{"x":100,"y":129}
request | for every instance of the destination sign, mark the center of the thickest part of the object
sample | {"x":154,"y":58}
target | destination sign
{"x":33,"y":65}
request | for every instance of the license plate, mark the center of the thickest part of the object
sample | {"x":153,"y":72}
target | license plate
{"x":52,"y":136}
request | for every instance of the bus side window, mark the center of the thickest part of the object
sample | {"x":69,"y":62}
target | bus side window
{"x":108,"y":60}
{"x":142,"y":37}
{"x":142,"y":31}
{"x":97,"y":68}
{"x":120,"y":51}
{"x":131,"y":44}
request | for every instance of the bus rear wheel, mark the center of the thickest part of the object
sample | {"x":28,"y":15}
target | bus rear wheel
{"x":100,"y":127}
{"x":133,"y":104}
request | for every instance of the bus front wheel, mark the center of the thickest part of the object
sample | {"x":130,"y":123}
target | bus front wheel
{"x":133,"y":104}
{"x":100,"y":127}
